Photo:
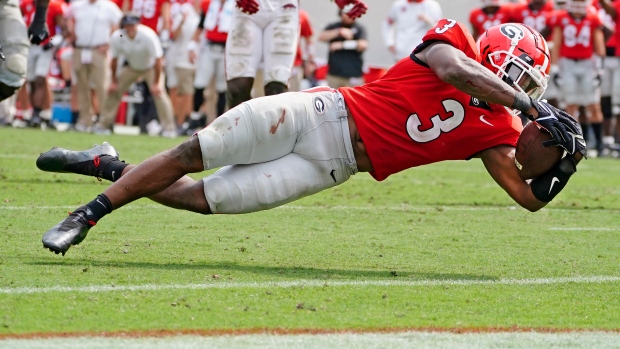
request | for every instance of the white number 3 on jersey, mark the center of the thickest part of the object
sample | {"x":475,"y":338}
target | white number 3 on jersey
{"x":439,"y":126}
{"x":445,"y":28}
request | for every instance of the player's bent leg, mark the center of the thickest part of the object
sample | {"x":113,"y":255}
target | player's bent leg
{"x":149,"y":178}
{"x":274,"y":88}
{"x":256,"y":187}
{"x":239,"y":90}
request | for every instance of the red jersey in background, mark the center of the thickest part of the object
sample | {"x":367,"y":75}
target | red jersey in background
{"x":217,"y":20}
{"x":536,"y":19}
{"x":481,"y":21}
{"x":577,"y":34}
{"x":149,"y":11}
{"x":410,"y":117}
{"x":55,"y":8}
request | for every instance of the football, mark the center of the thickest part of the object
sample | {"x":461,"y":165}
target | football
{"x":531,"y":157}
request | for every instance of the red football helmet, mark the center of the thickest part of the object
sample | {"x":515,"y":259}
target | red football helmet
{"x":578,"y":6}
{"x":487,"y":3}
{"x":519,"y":55}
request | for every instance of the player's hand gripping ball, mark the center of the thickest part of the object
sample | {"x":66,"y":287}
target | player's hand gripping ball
{"x":532,"y":158}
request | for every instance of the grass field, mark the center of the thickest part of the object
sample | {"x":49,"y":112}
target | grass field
{"x":440,"y":247}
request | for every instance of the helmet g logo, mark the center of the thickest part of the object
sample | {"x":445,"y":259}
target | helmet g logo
{"x":512,"y":32}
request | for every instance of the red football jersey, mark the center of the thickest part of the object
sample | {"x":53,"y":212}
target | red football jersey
{"x":149,"y":11}
{"x":55,"y":8}
{"x":607,"y":21}
{"x":214,"y":34}
{"x":577,"y":38}
{"x":410,"y":117}
{"x":536,"y":19}
{"x":481,"y":21}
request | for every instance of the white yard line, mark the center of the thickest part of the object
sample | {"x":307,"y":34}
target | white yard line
{"x":311,"y":283}
{"x":419,"y":340}
{"x":583,"y":229}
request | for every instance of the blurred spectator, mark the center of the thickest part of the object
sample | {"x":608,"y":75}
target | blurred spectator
{"x":180,"y":69}
{"x":40,"y":58}
{"x":143,"y":54}
{"x":578,"y":48}
{"x":90,"y":24}
{"x":216,"y":21}
{"x":407,"y":23}
{"x":305,"y":54}
{"x":347,"y":42}
{"x":489,"y":14}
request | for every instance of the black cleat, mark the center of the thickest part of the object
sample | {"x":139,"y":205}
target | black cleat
{"x":86,"y":162}
{"x":70,"y":231}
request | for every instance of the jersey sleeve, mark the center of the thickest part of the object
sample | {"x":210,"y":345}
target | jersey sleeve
{"x":453,"y":33}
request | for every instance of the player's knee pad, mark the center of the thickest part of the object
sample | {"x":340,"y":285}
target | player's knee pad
{"x":274,"y":88}
{"x":12,"y":71}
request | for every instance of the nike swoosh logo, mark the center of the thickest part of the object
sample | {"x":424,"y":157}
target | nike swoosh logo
{"x":113,"y":175}
{"x":333,"y":174}
{"x":553,"y":181}
{"x":101,"y":203}
{"x":483,"y":120}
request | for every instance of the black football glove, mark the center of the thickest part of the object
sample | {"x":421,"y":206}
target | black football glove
{"x":37,"y":32}
{"x":565,"y":131}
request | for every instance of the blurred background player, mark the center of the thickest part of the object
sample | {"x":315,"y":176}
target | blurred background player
{"x":180,"y":68}
{"x":267,"y":30}
{"x":534,"y":13}
{"x":304,"y":58}
{"x":91,"y":23}
{"x":407,"y":23}
{"x":141,"y":49}
{"x":491,"y":13}
{"x":611,"y":79}
{"x":14,"y":43}
{"x":215,"y":22}
{"x":40,"y":59}
{"x":155,"y":14}
{"x":578,"y":50}
{"x":347,"y":43}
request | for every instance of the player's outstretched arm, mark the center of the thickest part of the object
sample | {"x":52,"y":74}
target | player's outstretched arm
{"x":500,"y":163}
{"x":452,"y":66}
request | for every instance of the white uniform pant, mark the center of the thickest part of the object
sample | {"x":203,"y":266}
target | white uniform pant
{"x":578,"y":82}
{"x":275,"y":150}
{"x":14,"y":42}
{"x":270,"y":34}
{"x":610,"y":82}
{"x":39,"y":62}
{"x":211,"y":64}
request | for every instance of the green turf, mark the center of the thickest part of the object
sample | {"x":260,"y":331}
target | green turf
{"x":446,"y":221}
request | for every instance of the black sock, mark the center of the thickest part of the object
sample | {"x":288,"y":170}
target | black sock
{"x":96,"y":209}
{"x":111,"y":168}
{"x":75,"y":115}
{"x":585,"y":128}
{"x":598,"y":135}
{"x":221,"y":103}
{"x":199,"y":98}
